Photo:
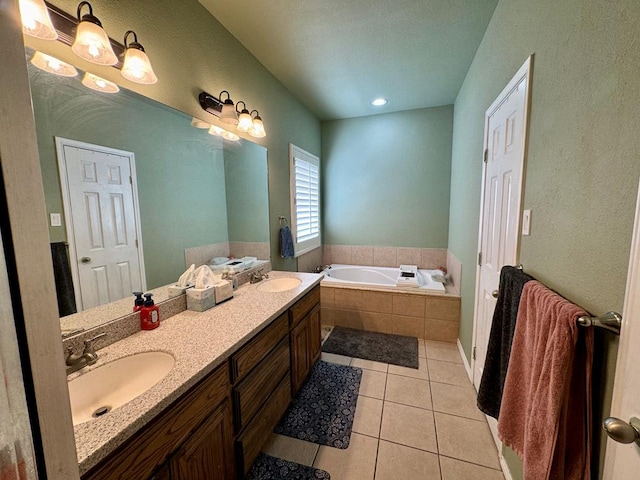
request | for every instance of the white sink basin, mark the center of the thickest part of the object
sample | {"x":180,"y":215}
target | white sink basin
{"x":112,"y":385}
{"x":279,"y":284}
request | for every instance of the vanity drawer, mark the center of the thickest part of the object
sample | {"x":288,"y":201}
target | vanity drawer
{"x":139,"y":456}
{"x":253,"y":352}
{"x":304,"y":306}
{"x":251,"y":393}
{"x":250,"y":442}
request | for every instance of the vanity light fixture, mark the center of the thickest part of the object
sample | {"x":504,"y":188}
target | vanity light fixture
{"x":257,"y":127}
{"x":36,"y":21}
{"x":53,"y":65}
{"x":378,"y":102}
{"x":136,"y":65}
{"x":228,"y":113}
{"x":91,"y":42}
{"x":245,"y":122}
{"x":95,"y":82}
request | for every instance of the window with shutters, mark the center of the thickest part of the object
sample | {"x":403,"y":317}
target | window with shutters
{"x":305,"y":199}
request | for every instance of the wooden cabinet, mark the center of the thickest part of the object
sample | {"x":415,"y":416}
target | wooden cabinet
{"x":195,"y":425}
{"x":304,"y":318}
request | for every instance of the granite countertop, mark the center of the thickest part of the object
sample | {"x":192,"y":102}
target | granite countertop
{"x":199,"y":342}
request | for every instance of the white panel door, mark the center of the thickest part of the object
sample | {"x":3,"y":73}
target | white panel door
{"x":505,"y":131}
{"x":101,"y":212}
{"x":623,"y":461}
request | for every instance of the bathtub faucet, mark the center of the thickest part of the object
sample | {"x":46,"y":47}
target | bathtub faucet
{"x":321,"y":268}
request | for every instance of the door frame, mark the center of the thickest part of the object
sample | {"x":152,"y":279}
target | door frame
{"x":62,"y":142}
{"x":525,"y":71}
{"x":631,"y":309}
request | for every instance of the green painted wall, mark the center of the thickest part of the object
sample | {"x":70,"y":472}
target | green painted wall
{"x":246,"y":186}
{"x":191,"y":52}
{"x":386,"y":179}
{"x":582,"y":172}
{"x":179,"y":169}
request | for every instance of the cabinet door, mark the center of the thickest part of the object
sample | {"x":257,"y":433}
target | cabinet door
{"x":208,"y":453}
{"x":315,"y":335}
{"x":299,"y":355}
{"x":163,"y":473}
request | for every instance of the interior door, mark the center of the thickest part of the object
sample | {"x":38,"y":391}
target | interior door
{"x":505,"y":141}
{"x":102,"y":222}
{"x":622,"y":461}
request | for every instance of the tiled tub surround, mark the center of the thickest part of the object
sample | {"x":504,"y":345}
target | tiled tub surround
{"x":428,"y":258}
{"x":424,"y":315}
{"x":199,"y":342}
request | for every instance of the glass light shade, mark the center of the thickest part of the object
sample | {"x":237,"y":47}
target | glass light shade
{"x":53,"y":65}
{"x":214,"y":130}
{"x":228,"y":114}
{"x":221,"y":132}
{"x":257,"y":129}
{"x":196,"y":122}
{"x":36,"y":21}
{"x":245,"y":121}
{"x":378,"y":102}
{"x":95,"y":82}
{"x":92,"y":44}
{"x":230,"y":136}
{"x":137,"y":67}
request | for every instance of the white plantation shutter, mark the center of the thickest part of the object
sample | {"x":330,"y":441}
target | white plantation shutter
{"x":305,"y":199}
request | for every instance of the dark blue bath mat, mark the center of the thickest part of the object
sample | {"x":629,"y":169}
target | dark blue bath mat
{"x":379,"y":347}
{"x":267,"y":467}
{"x":322,"y":412}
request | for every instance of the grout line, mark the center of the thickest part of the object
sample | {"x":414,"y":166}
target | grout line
{"x":435,"y":428}
{"x":409,"y":405}
{"x":472,"y":463}
{"x":409,"y":446}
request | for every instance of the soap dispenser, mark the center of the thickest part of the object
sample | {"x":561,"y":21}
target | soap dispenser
{"x":139,"y":301}
{"x":150,"y":314}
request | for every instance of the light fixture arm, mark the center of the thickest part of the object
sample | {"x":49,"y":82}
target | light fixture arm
{"x":228,"y":96}
{"x":257,"y":113}
{"x":238,"y":104}
{"x":133,"y":44}
{"x":89,"y":17}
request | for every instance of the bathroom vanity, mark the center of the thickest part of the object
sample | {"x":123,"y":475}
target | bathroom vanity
{"x":237,"y":368}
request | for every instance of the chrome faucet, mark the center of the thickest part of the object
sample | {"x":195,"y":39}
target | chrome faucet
{"x":76,"y":361}
{"x":321,"y":268}
{"x":258,"y":276}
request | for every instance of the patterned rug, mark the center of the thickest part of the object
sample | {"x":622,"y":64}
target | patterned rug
{"x":379,"y":347}
{"x":267,"y":467}
{"x":322,"y":412}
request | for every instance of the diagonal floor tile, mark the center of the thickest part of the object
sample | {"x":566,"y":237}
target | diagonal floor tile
{"x":408,"y":391}
{"x":369,"y":365}
{"x":373,"y":384}
{"x":368,"y":416}
{"x":357,"y":462}
{"x":410,"y":426}
{"x":291,"y":449}
{"x":455,"y":400}
{"x":422,"y":371}
{"x":447,"y":352}
{"x":396,"y":462}
{"x":447,"y":372}
{"x":453,"y":469}
{"x":465,"y":439}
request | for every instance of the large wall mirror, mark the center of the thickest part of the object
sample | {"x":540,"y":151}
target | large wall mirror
{"x":187,"y":189}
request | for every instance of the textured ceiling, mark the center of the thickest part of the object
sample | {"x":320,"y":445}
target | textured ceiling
{"x":335,"y":56}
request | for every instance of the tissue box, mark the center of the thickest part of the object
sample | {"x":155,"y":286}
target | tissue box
{"x":201,"y":299}
{"x":175,"y":290}
{"x":224,"y":291}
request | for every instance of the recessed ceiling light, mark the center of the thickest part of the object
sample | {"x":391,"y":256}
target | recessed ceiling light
{"x":378,"y":102}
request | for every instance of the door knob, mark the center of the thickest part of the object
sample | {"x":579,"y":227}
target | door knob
{"x":85,"y":260}
{"x":495,"y":293}
{"x":621,"y":431}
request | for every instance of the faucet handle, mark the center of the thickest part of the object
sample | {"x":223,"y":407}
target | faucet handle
{"x":88,"y":343}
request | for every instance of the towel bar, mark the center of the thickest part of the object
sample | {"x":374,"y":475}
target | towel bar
{"x":611,"y":321}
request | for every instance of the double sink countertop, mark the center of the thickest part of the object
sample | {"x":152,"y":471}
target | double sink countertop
{"x":199,"y":342}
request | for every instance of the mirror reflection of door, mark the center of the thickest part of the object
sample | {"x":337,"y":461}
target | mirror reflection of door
{"x":102,"y":221}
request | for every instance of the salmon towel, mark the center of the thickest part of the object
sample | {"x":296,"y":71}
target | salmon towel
{"x":545,"y":416}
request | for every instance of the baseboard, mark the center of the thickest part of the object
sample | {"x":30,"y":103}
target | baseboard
{"x":467,"y":367}
{"x":505,"y":468}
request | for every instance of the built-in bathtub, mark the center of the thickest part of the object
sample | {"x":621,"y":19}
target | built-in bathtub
{"x":367,"y":298}
{"x":379,"y":277}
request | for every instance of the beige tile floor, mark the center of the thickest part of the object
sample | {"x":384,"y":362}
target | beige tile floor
{"x":409,"y":425}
